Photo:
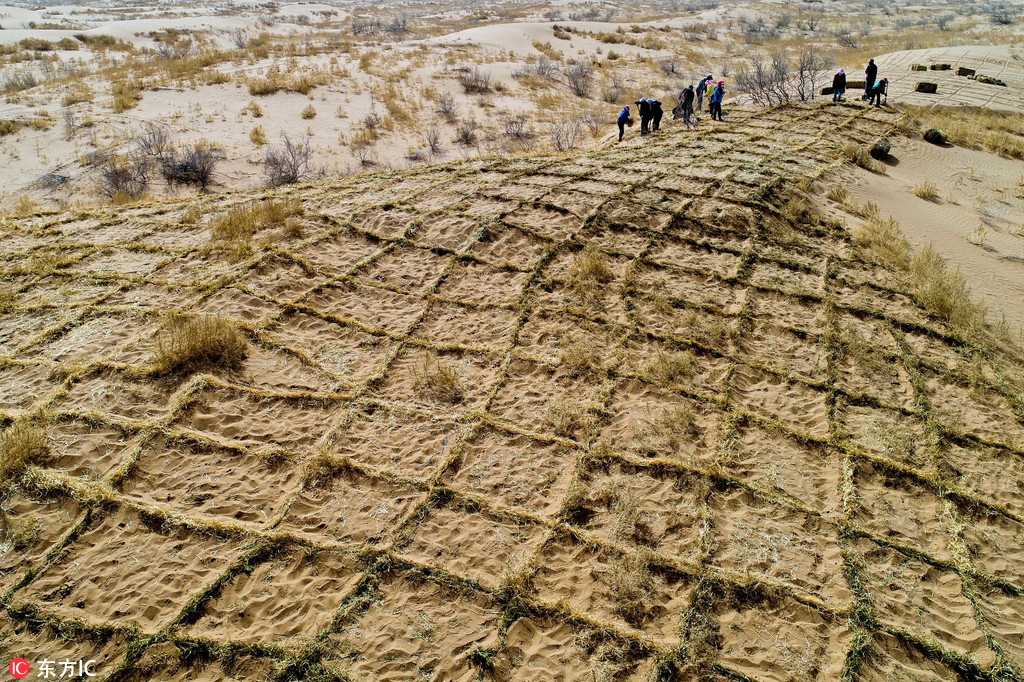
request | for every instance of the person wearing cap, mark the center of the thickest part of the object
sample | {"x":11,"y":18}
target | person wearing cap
{"x":717,"y":95}
{"x":702,"y":87}
{"x":623,"y":121}
{"x":838,"y":85}
{"x":876,"y":92}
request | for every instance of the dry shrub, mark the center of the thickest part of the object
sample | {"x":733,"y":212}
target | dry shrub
{"x":187,"y":344}
{"x":8,"y":128}
{"x":837,"y":193}
{"x":322,"y":466}
{"x":309,"y":112}
{"x":518,"y":569}
{"x":439,"y":381}
{"x":944,"y":292}
{"x":257,"y":136}
{"x":590,"y":267}
{"x":18,"y":445}
{"x":127,"y":95}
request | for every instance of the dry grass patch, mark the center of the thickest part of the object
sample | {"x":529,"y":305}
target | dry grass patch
{"x":671,"y":367}
{"x":837,"y":193}
{"x":996,"y":131}
{"x":257,"y":136}
{"x":8,"y":128}
{"x":233,"y":231}
{"x":581,"y":355}
{"x":631,"y":584}
{"x":927,"y":191}
{"x":860,"y":155}
{"x":188,"y":344}
{"x":590,"y":267}
{"x":439,"y":381}
{"x":18,"y":445}
{"x":944,"y":292}
{"x":884,"y":239}
{"x":309,"y":112}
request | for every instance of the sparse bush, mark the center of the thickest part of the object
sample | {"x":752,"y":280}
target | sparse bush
{"x":566,"y":135}
{"x":433,"y":137}
{"x":18,"y":445}
{"x":189,"y":344}
{"x":288,"y":163}
{"x":447,"y":107}
{"x":154,"y":140}
{"x":123,"y":177}
{"x":191,"y":165}
{"x":466,"y":132}
{"x":580,"y":78}
{"x":474,"y":80}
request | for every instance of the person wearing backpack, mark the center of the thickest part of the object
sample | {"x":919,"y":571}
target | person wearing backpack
{"x":656,"y":114}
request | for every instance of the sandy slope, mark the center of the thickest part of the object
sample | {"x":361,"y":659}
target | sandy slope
{"x":979,"y":199}
{"x":677,"y":435}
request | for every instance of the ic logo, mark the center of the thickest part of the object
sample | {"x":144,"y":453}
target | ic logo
{"x":18,"y":668}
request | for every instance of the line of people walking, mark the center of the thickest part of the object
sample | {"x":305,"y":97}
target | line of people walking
{"x":650,"y":110}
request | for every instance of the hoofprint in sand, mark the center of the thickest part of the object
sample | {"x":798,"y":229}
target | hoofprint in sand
{"x":631,"y":414}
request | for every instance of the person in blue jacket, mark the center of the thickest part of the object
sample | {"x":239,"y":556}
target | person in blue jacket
{"x":623,"y":120}
{"x":717,"y":95}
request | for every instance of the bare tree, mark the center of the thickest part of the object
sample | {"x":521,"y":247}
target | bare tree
{"x":809,"y":67}
{"x":580,"y":78}
{"x":545,"y":68}
{"x":399,"y":25}
{"x":366,"y":26}
{"x":765,"y":80}
{"x":566,"y":135}
{"x":288,"y":163}
{"x":433,"y":137}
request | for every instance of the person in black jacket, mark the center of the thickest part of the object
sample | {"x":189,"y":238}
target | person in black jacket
{"x":686,"y":103}
{"x":644,"y":109}
{"x":838,"y":85}
{"x":870,"y":74}
{"x":656,"y":114}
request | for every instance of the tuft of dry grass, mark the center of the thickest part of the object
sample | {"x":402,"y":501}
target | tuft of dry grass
{"x":309,"y":112}
{"x":590,"y":267}
{"x":439,"y":381}
{"x":837,"y":193}
{"x":188,"y":344}
{"x":927,"y":191}
{"x":671,"y":367}
{"x":257,"y":136}
{"x":565,"y":417}
{"x":8,"y":128}
{"x":631,"y":584}
{"x":860,"y":155}
{"x":234,"y":230}
{"x":884,"y":239}
{"x":18,"y":445}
